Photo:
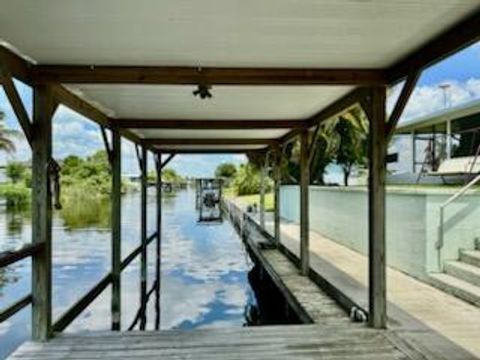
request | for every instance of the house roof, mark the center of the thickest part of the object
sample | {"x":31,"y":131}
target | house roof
{"x":460,"y":117}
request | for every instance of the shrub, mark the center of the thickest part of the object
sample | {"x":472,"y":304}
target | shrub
{"x":17,"y":196}
{"x":247,"y":181}
{"x":15,"y":171}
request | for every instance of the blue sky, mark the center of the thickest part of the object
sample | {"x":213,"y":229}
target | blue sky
{"x":73,"y":134}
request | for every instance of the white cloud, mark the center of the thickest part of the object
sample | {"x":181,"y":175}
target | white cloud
{"x":431,"y":98}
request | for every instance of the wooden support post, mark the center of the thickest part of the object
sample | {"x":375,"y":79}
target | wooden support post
{"x":263,"y":175}
{"x":304,"y":213}
{"x":414,"y":151}
{"x":276,"y":192}
{"x":142,"y":161}
{"x":159,"y":240}
{"x":116,"y":161}
{"x":376,"y":209}
{"x":42,"y":213}
{"x":143,"y":227}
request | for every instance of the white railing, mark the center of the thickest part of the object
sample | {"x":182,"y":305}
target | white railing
{"x":454,"y":197}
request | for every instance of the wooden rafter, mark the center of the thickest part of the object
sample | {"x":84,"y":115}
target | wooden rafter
{"x":79,"y":105}
{"x":458,"y":37}
{"x":18,"y":67}
{"x":211,"y":76}
{"x":211,"y":141}
{"x":206,"y":124}
{"x":207,"y":150}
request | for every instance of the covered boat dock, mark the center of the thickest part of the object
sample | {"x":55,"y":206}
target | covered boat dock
{"x":215,"y":77}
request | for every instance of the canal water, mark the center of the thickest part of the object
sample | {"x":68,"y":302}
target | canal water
{"x":207,"y":279}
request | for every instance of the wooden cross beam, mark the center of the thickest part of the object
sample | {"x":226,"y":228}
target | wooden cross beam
{"x":18,"y":67}
{"x":165,"y":75}
{"x":209,"y":141}
{"x":206,"y":124}
{"x":206,"y":151}
{"x":458,"y":37}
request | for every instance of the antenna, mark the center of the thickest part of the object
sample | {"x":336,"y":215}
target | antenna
{"x":445,"y":88}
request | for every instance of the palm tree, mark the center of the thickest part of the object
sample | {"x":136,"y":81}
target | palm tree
{"x":5,"y":143}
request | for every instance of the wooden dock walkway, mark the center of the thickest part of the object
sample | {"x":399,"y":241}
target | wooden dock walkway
{"x":266,"y":342}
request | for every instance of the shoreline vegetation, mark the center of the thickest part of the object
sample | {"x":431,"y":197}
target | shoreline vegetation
{"x":85,"y":189}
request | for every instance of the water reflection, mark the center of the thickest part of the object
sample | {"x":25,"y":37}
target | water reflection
{"x":205,"y":278}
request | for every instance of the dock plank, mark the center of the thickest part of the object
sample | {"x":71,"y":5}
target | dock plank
{"x":266,"y":342}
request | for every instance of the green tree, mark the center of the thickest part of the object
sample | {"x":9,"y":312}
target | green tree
{"x":169,"y":175}
{"x":71,"y":164}
{"x":92,"y":173}
{"x":351,"y":133}
{"x":16,"y":171}
{"x":225,"y":170}
{"x":324,"y":152}
{"x":6,"y":144}
{"x":247,"y":180}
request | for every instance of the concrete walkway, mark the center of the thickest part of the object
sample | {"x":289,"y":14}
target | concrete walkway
{"x":412,"y":303}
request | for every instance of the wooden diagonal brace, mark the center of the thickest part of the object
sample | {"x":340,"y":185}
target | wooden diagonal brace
{"x":401,"y":103}
{"x":165,"y":163}
{"x":139,"y":157}
{"x":17,"y":104}
{"x":313,"y":145}
{"x":108,"y":146}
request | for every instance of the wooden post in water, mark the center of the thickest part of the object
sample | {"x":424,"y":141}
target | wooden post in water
{"x":116,"y":161}
{"x":304,"y":213}
{"x":43,"y":107}
{"x":376,"y":208}
{"x":263,"y":175}
{"x":143,"y":229}
{"x":276,"y":193}
{"x":158,"y":263}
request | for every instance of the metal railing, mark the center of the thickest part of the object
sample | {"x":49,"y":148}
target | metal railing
{"x":461,"y":192}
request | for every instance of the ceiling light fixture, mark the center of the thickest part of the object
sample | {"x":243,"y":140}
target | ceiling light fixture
{"x":203,"y":91}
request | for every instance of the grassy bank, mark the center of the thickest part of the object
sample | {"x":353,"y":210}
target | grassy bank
{"x":251,"y":199}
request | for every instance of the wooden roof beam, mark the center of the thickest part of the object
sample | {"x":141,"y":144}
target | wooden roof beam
{"x":207,"y":150}
{"x":17,"y":66}
{"x":77,"y":104}
{"x":213,"y":141}
{"x":458,"y":37}
{"x":165,"y":75}
{"x":206,"y":124}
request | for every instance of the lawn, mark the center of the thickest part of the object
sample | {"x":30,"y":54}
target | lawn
{"x":251,"y":199}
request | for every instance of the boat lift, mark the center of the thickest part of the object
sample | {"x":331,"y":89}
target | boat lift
{"x":208,"y":199}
